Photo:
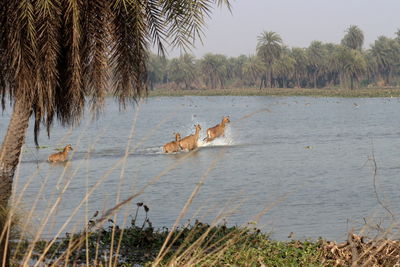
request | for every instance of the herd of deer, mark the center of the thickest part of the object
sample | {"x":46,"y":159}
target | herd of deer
{"x":187,"y":143}
{"x":190,"y":142}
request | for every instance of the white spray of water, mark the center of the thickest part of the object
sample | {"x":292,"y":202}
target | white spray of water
{"x":226,"y":140}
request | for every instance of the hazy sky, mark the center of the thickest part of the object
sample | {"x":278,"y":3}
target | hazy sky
{"x":298,"y":22}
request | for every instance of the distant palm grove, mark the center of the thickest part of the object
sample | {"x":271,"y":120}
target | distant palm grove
{"x":320,"y":65}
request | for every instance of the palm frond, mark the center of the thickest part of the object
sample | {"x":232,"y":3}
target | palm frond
{"x":129,"y":51}
{"x":156,"y":26}
{"x":95,"y":50}
{"x":226,"y":3}
{"x":48,"y":24}
{"x":69,"y":95}
{"x":21,"y":49}
{"x":185,"y":20}
{"x":3,"y":49}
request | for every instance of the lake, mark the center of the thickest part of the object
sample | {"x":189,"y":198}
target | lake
{"x":304,"y":163}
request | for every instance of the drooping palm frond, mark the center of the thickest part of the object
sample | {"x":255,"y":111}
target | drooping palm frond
{"x":21,"y":49}
{"x":185,"y":20}
{"x":2,"y":55}
{"x":55,"y":54}
{"x":156,"y":25}
{"x":70,"y":96}
{"x":95,"y":50}
{"x":3,"y":23}
{"x":129,"y":51}
{"x":48,"y":25}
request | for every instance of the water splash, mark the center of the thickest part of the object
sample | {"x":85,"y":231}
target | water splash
{"x":226,"y":140}
{"x":220,"y":141}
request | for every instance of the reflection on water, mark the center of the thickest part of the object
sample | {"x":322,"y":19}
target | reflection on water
{"x":305,"y":158}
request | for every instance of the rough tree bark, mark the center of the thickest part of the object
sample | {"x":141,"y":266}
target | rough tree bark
{"x":9,"y":156}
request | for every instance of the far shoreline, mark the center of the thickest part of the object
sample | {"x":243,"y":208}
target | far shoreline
{"x":325,"y":92}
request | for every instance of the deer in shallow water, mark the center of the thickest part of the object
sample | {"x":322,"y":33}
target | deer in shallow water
{"x":190,"y":142}
{"x":172,"y":146}
{"x":60,"y":156}
{"x":217,"y":130}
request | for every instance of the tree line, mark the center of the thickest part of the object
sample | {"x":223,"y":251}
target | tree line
{"x":320,"y":65}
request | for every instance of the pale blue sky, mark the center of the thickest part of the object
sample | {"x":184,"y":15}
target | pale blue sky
{"x":298,"y":22}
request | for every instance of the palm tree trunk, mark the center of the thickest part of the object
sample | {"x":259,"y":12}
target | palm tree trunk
{"x":263,"y":82}
{"x":151,"y":85}
{"x":9,"y":157}
{"x":270,"y":78}
{"x":341,"y":83}
{"x":389,"y":75}
{"x":351,"y":82}
{"x":315,"y":80}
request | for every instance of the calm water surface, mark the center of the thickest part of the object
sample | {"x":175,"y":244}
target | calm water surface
{"x":305,"y":162}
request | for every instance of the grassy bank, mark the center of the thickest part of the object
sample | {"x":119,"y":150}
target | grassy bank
{"x":198,"y":244}
{"x":204,"y":245}
{"x":194,"y":245}
{"x":370,"y":92}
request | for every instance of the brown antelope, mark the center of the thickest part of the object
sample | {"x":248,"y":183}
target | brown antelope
{"x":190,"y":142}
{"x":172,"y":146}
{"x":60,"y":156}
{"x":217,"y":130}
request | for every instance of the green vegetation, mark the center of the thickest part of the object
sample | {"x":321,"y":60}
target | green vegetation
{"x":274,"y":65}
{"x":258,"y":250}
{"x":370,"y":92}
{"x":197,"y":244}
{"x":141,"y":246}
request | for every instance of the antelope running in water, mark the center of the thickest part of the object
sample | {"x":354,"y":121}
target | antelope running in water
{"x":172,"y":146}
{"x":217,"y":130}
{"x":190,"y":142}
{"x":60,"y":156}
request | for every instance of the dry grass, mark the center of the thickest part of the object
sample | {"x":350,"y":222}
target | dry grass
{"x":358,"y":252}
{"x":25,"y":246}
{"x":200,"y":244}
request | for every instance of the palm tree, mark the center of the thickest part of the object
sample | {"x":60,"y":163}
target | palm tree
{"x":182,"y":70}
{"x":55,"y":54}
{"x":238,"y":64}
{"x":253,"y":69}
{"x":284,"y":68}
{"x":214,"y":70}
{"x":300,"y":64}
{"x":354,"y":38}
{"x":372,"y":67}
{"x":355,"y":66}
{"x":386,"y":52}
{"x":334,"y":64}
{"x":316,"y":60}
{"x":269,"y":48}
{"x":156,"y":69}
